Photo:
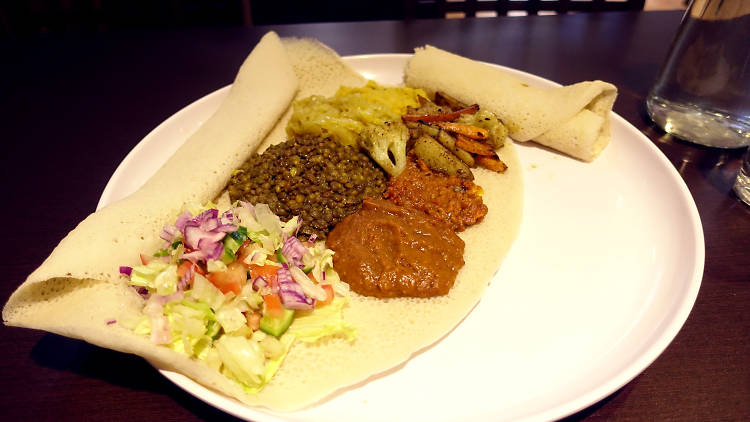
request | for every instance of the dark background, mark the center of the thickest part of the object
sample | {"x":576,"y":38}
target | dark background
{"x":34,"y":17}
{"x":74,"y":102}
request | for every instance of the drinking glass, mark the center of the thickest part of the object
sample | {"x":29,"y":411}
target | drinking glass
{"x":742,"y":183}
{"x":702,"y":93}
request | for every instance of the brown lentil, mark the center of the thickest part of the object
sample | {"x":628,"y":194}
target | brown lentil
{"x":317,"y":179}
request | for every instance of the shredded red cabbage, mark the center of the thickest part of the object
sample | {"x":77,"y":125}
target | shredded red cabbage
{"x":185,"y":279}
{"x":168,"y":233}
{"x":208,"y":216}
{"x":293,"y":250}
{"x":204,"y":233}
{"x":141,"y":291}
{"x":227,"y":218}
{"x":126,"y":270}
{"x":182,"y":220}
{"x":194,"y":234}
{"x":291,"y":293}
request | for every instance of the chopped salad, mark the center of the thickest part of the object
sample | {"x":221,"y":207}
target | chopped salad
{"x":236,"y":289}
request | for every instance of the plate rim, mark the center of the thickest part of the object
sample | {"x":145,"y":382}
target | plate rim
{"x":566,"y":408}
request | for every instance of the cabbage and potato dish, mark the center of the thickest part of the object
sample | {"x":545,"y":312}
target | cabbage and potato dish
{"x":387,"y":122}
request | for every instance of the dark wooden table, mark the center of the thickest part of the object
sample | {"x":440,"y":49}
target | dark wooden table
{"x":72,"y":106}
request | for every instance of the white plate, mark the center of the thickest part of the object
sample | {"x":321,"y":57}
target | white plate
{"x":603,"y":275}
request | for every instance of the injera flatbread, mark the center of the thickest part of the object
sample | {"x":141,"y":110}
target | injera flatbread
{"x":573,"y":119}
{"x":388,"y":331}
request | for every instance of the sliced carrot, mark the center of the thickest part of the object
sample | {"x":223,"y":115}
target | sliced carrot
{"x":440,"y":117}
{"x":470,"y":131}
{"x":473,"y":146}
{"x":491,"y":163}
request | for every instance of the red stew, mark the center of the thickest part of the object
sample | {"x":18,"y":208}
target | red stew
{"x":385,"y":250}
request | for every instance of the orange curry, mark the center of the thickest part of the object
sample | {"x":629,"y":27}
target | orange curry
{"x":450,"y":199}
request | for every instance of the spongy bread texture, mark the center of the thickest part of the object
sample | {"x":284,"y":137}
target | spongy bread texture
{"x":573,"y":119}
{"x":319,"y":70}
{"x":388,"y":331}
{"x":196,"y":172}
{"x":78,"y":288}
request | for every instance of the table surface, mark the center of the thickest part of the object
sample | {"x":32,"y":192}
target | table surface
{"x":73,"y":106}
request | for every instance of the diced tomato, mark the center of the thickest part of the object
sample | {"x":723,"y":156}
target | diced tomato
{"x":268,"y":272}
{"x":274,"y":309}
{"x":230,"y":280}
{"x":199,"y":269}
{"x":183,"y":269}
{"x":329,"y":295}
{"x":145,"y":259}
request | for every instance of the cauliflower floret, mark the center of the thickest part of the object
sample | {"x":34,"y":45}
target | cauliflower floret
{"x":386,"y":145}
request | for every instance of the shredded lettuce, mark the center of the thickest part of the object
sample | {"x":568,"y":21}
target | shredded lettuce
{"x":204,"y":291}
{"x":157,"y":276}
{"x":272,"y":364}
{"x":214,"y":266}
{"x":142,"y":326}
{"x":320,"y":259}
{"x":192,"y":325}
{"x":249,"y":297}
{"x":206,"y":324}
{"x":231,"y":318}
{"x":270,"y":223}
{"x":213,"y":359}
{"x":257,"y":255}
{"x":321,"y":322}
{"x":243,"y":359}
{"x":290,"y":227}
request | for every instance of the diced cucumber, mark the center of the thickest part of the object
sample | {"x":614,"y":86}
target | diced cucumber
{"x":232,"y":243}
{"x":228,"y":256}
{"x":277,"y":326}
{"x":240,"y":235}
{"x":280,"y":256}
{"x":161,"y":252}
